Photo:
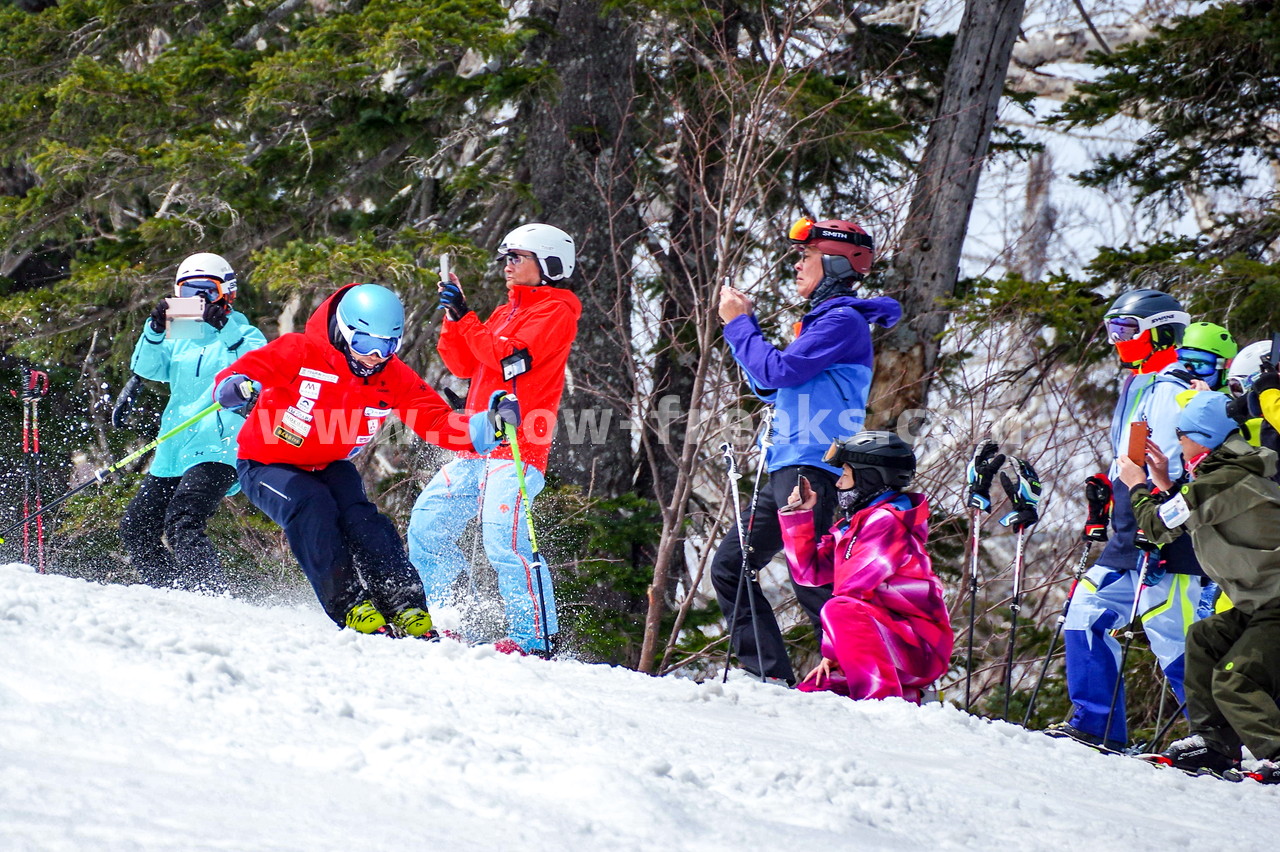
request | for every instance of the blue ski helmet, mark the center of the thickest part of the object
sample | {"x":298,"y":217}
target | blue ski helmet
{"x":371,"y":320}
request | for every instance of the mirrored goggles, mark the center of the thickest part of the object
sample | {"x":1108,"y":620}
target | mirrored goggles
{"x":210,"y":289}
{"x":1120,"y":329}
{"x":1201,"y":364}
{"x":806,"y":229}
{"x":363,"y":343}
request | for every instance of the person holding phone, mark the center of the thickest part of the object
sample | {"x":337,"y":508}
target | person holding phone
{"x":885,"y":631}
{"x":521,"y":349}
{"x":1147,"y":328}
{"x":1230,"y":509}
{"x":818,"y":385}
{"x":192,"y":472}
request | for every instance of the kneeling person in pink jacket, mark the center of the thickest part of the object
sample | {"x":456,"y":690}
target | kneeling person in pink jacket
{"x":886,"y":632}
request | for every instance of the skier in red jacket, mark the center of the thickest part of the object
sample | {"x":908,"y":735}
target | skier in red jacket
{"x":521,"y":349}
{"x":321,"y":397}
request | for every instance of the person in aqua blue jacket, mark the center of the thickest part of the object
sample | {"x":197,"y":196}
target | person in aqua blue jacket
{"x":818,"y":388}
{"x":192,"y":471}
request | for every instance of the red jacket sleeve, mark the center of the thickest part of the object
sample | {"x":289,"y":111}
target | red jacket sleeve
{"x":425,"y":412}
{"x":454,"y":351}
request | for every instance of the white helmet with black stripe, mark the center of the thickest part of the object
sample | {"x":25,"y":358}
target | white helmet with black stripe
{"x":552,"y":247}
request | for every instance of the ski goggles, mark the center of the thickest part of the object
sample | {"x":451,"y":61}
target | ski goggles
{"x":806,"y":229}
{"x":1120,"y":329}
{"x":1201,"y":364}
{"x":210,"y":289}
{"x":363,"y":343}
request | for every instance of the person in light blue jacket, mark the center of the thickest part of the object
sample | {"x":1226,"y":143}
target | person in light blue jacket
{"x":192,"y":471}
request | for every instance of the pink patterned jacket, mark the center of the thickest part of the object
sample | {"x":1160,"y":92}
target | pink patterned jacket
{"x":878,"y":556}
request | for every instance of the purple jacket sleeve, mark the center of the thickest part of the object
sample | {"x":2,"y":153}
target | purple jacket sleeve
{"x":808,"y":556}
{"x":827,"y":340}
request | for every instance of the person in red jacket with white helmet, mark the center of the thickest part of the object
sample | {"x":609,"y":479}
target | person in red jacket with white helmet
{"x":521,"y":349}
{"x":317,"y":399}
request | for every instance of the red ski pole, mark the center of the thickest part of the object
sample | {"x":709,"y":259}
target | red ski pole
{"x":37,"y":388}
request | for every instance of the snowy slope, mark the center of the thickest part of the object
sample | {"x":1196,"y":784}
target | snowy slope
{"x":132,"y":718}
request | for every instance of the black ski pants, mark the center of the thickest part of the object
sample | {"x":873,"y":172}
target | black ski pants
{"x":1233,"y":680}
{"x":347,"y":548}
{"x":177,"y":509}
{"x":743,"y":601}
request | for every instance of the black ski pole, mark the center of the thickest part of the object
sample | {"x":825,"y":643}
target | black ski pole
{"x":1097,"y":491}
{"x":979,"y":475}
{"x":1164,"y":729}
{"x":101,"y":476}
{"x":1024,"y":497}
{"x":1147,"y":555}
{"x":746,"y":576}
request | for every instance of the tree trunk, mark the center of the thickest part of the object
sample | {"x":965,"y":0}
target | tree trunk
{"x":580,"y":163}
{"x":927,"y":264}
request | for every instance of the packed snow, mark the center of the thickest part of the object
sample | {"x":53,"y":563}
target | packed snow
{"x":135,"y":718}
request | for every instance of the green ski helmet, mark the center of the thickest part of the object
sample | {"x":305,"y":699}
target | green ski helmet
{"x":1206,"y":352}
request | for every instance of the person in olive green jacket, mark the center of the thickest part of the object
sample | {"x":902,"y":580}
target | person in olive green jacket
{"x":1231,"y":509}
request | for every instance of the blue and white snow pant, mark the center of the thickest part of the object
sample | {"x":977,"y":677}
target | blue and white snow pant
{"x":1102,"y":602}
{"x":347,"y":548}
{"x":460,"y":491}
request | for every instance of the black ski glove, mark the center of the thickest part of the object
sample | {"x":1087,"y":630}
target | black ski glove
{"x":217,"y":314}
{"x":160,"y":316}
{"x":1097,"y":492}
{"x":1267,"y":380}
{"x":1024,"y":496}
{"x":124,"y":402}
{"x":452,"y":302}
{"x":503,"y":410}
{"x":1240,"y":408}
{"x":982,"y":470}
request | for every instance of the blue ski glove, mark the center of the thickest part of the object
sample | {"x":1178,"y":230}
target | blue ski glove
{"x":237,"y":392}
{"x":452,"y":302}
{"x":1024,"y":496}
{"x":982,"y":470}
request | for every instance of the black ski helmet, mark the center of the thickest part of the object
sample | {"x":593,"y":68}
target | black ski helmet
{"x":1168,"y":320}
{"x":885,"y":454}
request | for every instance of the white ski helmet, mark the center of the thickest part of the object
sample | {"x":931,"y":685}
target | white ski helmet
{"x":205,"y":274}
{"x":1247,"y":365}
{"x":551,"y":246}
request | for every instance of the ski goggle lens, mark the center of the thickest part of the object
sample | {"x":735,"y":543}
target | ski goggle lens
{"x":800,"y":231}
{"x":1120,"y":329}
{"x":363,"y":343}
{"x":208,"y":288}
{"x":1201,"y":364}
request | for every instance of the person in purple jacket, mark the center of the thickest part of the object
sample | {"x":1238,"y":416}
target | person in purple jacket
{"x":818,"y":387}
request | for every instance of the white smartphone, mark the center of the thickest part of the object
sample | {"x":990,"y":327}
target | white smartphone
{"x":185,"y":316}
{"x":445,"y":269}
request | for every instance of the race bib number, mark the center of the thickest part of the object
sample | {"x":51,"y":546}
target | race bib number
{"x":1175,"y":512}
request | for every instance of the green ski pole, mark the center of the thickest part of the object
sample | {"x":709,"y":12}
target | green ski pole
{"x":101,"y":476}
{"x":533,"y":536}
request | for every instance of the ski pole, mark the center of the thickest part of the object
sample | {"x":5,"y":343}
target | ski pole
{"x":744,"y":543}
{"x":978,"y":476}
{"x":1024,"y":497}
{"x":1147,"y":556}
{"x":101,"y":476}
{"x":533,"y":536}
{"x":1081,"y":567}
{"x":38,"y":387}
{"x":1100,"y":500}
